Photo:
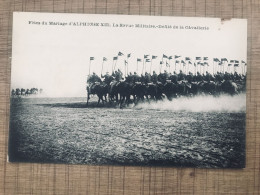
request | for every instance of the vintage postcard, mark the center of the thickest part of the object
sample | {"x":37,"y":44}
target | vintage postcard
{"x":128,"y":90}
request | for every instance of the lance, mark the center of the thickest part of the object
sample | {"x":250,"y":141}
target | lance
{"x":213,"y":67}
{"x":161,"y":65}
{"x":125,"y":67}
{"x":169,"y":66}
{"x":128,"y":56}
{"x":112,"y":66}
{"x":89,"y":67}
{"x":143,"y":67}
{"x":90,"y":59}
{"x":115,"y":65}
{"x":151,"y":66}
{"x":102,"y":67}
{"x":188,"y":67}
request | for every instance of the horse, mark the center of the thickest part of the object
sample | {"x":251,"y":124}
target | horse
{"x":229,"y":87}
{"x":151,"y":90}
{"x":170,"y":90}
{"x":124,"y":91}
{"x":100,"y":89}
{"x":208,"y":87}
{"x":139,"y":91}
{"x":113,"y":91}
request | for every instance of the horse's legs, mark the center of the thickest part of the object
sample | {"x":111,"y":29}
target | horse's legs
{"x":103,"y":99}
{"x":88,"y":99}
{"x":98,"y":100}
{"x":122,"y":98}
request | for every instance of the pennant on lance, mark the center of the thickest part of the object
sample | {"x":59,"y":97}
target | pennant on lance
{"x":146,"y":56}
{"x":115,"y":58}
{"x":147,"y":60}
{"x":205,"y":58}
{"x":170,"y":57}
{"x":165,"y":56}
{"x":128,"y":55}
{"x":176,"y":57}
{"x":92,"y":58}
{"x":154,"y":57}
{"x":216,"y":60}
{"x":120,"y":54}
{"x":187,"y":58}
{"x":224,"y":60}
{"x":104,"y":59}
{"x":139,"y":60}
{"x":198,"y":58}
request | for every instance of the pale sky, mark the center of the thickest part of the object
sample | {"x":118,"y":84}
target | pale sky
{"x":56,"y":58}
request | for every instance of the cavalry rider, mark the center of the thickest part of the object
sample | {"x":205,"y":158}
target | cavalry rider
{"x":198,"y":77}
{"x":174,"y":77}
{"x":208,"y":77}
{"x":227,"y":76}
{"x":166,"y":75}
{"x":219,"y":77}
{"x":181,"y":76}
{"x":118,"y":75}
{"x":136,"y":77}
{"x":237,"y":77}
{"x":107,"y":78}
{"x":147,"y":78}
{"x":154,"y":77}
{"x":129,"y":78}
{"x":162,"y":77}
{"x":189,"y":77}
{"x":92,"y":79}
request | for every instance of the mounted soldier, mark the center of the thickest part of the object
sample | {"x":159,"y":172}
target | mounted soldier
{"x":136,"y":77}
{"x":92,"y":80}
{"x":174,"y":77}
{"x":147,"y":78}
{"x":107,"y":78}
{"x":181,"y":76}
{"x":154,"y":77}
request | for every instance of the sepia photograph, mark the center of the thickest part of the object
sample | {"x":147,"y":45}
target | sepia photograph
{"x":128,"y":90}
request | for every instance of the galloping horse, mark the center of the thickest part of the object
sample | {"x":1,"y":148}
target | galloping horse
{"x":100,"y":89}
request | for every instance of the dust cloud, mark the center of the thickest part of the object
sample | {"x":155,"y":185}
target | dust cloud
{"x":222,"y":103}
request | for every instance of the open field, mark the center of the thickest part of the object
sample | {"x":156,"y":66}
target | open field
{"x":64,"y":130}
